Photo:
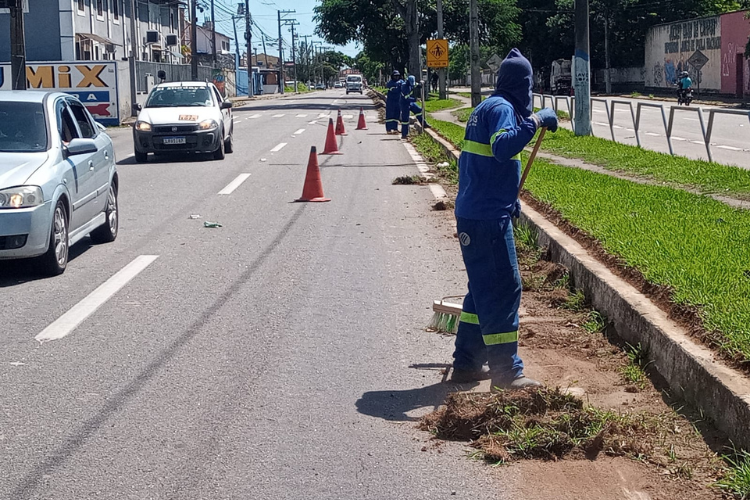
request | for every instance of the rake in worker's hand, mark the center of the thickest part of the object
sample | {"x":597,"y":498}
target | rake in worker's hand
{"x":445,"y":314}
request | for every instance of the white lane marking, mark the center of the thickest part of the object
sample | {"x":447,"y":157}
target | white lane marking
{"x":437,"y":190}
{"x":730,"y":148}
{"x":347,"y":117}
{"x":299,"y":131}
{"x":616,"y":126}
{"x":234,"y":184}
{"x":323,"y":115}
{"x":278,"y":116}
{"x":254,"y":116}
{"x":598,"y":111}
{"x":699,"y":142}
{"x":335,"y":101}
{"x":690,"y":119}
{"x":301,"y":116}
{"x":278,"y":148}
{"x":314,"y":122}
{"x":675,"y":138}
{"x":76,"y":315}
{"x":602,"y":124}
{"x":630,"y":130}
{"x":652,"y":134}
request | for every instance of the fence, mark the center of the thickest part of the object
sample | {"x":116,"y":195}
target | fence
{"x":174,"y":72}
{"x":611,"y":105}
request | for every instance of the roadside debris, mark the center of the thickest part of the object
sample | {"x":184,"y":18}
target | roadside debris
{"x":409,"y":180}
{"x":194,"y":216}
{"x":211,"y":224}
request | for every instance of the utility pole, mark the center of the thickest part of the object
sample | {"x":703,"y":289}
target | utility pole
{"x":240,"y":13}
{"x":265,"y":54}
{"x":193,"y":40}
{"x":213,"y":34}
{"x":249,"y":49}
{"x":17,"y":46}
{"x":476,"y":77}
{"x":133,"y":60}
{"x":581,"y":69}
{"x":282,"y":83}
{"x":441,"y":71}
{"x":294,"y":57}
{"x":608,"y":73}
{"x":306,"y":56}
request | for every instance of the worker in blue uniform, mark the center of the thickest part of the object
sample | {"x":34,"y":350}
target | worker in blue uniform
{"x":489,"y":175}
{"x":393,"y":103}
{"x":409,"y":91}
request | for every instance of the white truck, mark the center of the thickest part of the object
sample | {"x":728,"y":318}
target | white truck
{"x":561,"y":77}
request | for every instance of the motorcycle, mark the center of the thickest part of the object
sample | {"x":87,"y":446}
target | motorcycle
{"x":684,"y":96}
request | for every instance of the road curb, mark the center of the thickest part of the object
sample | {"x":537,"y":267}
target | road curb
{"x":692,"y":371}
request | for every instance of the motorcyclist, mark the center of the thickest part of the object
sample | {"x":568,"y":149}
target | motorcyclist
{"x":684,"y":83}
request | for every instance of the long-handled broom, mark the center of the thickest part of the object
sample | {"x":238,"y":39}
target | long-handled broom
{"x":445,"y":314}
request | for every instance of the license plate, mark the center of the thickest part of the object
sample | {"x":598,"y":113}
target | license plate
{"x":174,"y":140}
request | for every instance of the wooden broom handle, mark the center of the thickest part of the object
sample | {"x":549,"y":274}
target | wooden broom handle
{"x":531,"y":160}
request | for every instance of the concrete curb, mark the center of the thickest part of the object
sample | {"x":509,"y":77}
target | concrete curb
{"x":692,"y":371}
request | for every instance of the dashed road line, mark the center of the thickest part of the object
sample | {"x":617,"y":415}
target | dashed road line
{"x":314,"y":122}
{"x":730,"y":148}
{"x":652,"y":134}
{"x":278,"y":116}
{"x":278,"y":148}
{"x":253,"y":116}
{"x":234,"y":184}
{"x":65,"y":324}
{"x":675,"y":138}
{"x":299,"y":131}
{"x":301,"y":116}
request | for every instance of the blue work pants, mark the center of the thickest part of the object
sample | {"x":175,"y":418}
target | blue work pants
{"x":488,"y":327}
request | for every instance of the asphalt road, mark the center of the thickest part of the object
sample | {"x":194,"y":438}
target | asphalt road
{"x":281,"y":356}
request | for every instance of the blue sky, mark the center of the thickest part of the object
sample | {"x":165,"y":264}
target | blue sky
{"x":265,"y":18}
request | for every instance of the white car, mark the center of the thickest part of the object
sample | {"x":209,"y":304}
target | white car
{"x":184,"y":117}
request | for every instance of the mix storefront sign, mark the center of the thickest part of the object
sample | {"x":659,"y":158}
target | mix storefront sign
{"x":93,"y":83}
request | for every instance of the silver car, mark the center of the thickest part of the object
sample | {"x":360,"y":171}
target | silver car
{"x":58,"y":180}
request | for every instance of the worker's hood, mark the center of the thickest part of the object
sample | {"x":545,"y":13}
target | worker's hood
{"x":412,"y":80}
{"x":515,"y":80}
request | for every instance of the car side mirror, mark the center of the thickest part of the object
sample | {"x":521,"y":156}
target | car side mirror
{"x":101,"y":127}
{"x":138,"y":107}
{"x":226,"y":104}
{"x":80,"y":147}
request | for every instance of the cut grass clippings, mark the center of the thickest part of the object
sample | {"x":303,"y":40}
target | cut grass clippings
{"x":707,"y":177}
{"x":695,"y":246}
{"x":447,"y":168}
{"x":541,"y":423}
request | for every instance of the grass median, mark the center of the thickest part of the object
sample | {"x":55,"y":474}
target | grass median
{"x":696,"y":246}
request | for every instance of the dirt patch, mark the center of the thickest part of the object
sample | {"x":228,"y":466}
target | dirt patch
{"x":598,"y":433}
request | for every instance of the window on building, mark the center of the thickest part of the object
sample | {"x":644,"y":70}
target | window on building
{"x":116,"y":10}
{"x":100,"y":8}
{"x":81,"y":5}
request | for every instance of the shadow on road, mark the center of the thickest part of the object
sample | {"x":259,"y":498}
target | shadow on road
{"x":18,"y":272}
{"x":395,"y":405}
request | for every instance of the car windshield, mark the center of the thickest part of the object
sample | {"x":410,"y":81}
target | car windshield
{"x":23,"y":128}
{"x":172,"y":97}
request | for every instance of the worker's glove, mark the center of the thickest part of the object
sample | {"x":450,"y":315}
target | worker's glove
{"x":545,"y":118}
{"x":516,"y":209}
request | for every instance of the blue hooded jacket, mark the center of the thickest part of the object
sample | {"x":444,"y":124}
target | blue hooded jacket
{"x":489,"y":169}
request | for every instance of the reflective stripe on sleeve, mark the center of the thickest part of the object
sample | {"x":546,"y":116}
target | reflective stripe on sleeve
{"x":500,"y":338}
{"x":477,"y":148}
{"x":470,"y":318}
{"x":496,"y":135}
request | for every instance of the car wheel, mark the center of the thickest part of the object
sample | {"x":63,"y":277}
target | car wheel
{"x":220,"y":153}
{"x":141,"y":157}
{"x":55,"y":260}
{"x":107,"y":232}
{"x":228,"y":144}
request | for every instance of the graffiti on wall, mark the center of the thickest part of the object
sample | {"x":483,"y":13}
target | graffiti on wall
{"x":728,"y":59}
{"x":695,"y":35}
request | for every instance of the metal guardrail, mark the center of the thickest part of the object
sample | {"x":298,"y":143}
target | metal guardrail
{"x":611,"y":105}
{"x":642,"y":105}
{"x":672,"y":110}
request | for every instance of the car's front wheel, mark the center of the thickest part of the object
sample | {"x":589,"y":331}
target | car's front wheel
{"x":55,"y":260}
{"x":141,"y":157}
{"x":220,"y":153}
{"x":107,"y":232}
{"x":228,"y":143}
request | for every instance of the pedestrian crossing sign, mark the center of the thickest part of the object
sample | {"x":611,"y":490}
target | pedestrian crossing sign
{"x":437,"y":53}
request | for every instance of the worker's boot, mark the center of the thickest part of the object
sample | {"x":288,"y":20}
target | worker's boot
{"x":460,"y":376}
{"x":514,"y":384}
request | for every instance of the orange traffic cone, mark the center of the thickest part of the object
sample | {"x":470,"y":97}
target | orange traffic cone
{"x":361,"y":125}
{"x":340,"y":125}
{"x":313,"y":189}
{"x":332,"y":145}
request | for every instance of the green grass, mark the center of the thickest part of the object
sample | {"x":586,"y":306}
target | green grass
{"x":433,"y":153}
{"x":634,"y":372}
{"x":576,"y":302}
{"x":463,"y":114}
{"x":736,"y":481}
{"x":452,"y":132}
{"x":595,"y":322}
{"x":677,"y":170}
{"x":433,"y":105}
{"x":698,"y":247}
